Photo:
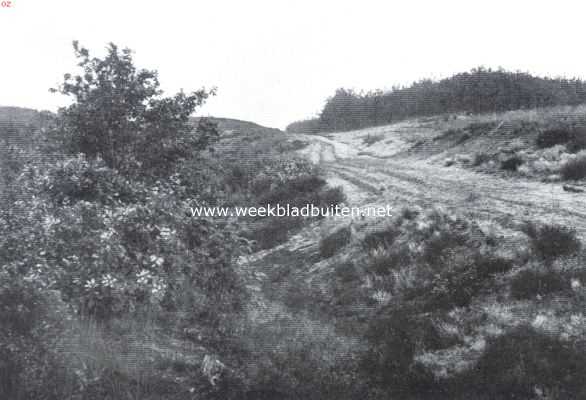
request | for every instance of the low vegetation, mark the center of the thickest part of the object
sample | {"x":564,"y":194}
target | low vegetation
{"x":552,"y":241}
{"x":526,"y":363}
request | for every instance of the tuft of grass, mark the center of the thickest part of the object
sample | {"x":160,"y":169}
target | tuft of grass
{"x":574,"y":169}
{"x":331,"y":244}
{"x":529,"y":283}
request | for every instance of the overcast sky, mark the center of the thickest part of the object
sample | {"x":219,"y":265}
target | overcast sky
{"x":277,"y":61}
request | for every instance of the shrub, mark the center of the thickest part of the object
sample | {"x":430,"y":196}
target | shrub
{"x":331,"y":244}
{"x":552,"y":241}
{"x":455,"y":287}
{"x":29,"y":320}
{"x":514,"y":365}
{"x":512,"y":163}
{"x":574,"y":169}
{"x":109,"y":119}
{"x":528,"y":284}
{"x":578,"y":141}
{"x":441,"y":243}
{"x":551,"y":137}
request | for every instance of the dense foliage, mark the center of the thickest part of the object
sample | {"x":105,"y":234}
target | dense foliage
{"x":119,"y":114}
{"x":478,"y":91}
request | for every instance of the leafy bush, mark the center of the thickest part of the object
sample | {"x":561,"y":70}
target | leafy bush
{"x":551,"y":241}
{"x":515,"y":364}
{"x":331,"y":244}
{"x":79,"y":179}
{"x":119,"y":114}
{"x":30,"y":318}
{"x":574,"y":169}
{"x":528,"y":284}
{"x":512,"y":163}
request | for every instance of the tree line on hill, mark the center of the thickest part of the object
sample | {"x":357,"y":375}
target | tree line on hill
{"x":479,"y":91}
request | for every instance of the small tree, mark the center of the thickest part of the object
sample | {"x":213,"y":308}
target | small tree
{"x":119,"y":114}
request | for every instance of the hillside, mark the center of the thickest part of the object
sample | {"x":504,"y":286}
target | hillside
{"x":18,"y":115}
{"x":460,"y":279}
{"x":477,"y":277}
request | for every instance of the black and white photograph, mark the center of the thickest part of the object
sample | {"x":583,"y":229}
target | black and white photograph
{"x":292,"y":200}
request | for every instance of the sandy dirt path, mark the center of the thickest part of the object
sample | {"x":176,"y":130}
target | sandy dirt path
{"x":402,"y":181}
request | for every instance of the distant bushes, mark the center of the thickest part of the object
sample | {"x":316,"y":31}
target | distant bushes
{"x":331,"y":244}
{"x":574,"y":169}
{"x":480,"y":90}
{"x":551,"y":241}
{"x":528,"y":284}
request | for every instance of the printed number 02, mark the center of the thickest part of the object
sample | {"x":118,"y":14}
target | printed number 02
{"x":6,"y":4}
